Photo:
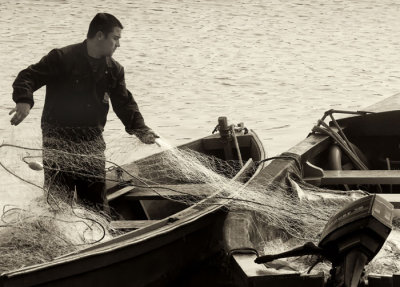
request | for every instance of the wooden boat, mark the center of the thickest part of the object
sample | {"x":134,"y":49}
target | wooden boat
{"x":165,"y":237}
{"x":374,"y":137}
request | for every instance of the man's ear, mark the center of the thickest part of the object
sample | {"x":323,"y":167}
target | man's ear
{"x":100,"y":35}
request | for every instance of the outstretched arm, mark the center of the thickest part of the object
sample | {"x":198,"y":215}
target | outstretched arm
{"x":31,"y":79}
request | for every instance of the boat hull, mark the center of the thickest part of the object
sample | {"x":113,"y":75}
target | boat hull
{"x":155,"y":255}
{"x":305,"y":160}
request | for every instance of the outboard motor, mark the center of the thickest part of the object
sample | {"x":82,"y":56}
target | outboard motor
{"x":350,"y":240}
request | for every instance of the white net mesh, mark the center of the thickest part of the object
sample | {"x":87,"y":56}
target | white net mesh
{"x":57,"y":225}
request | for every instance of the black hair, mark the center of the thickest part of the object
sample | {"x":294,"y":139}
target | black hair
{"x":103,"y":22}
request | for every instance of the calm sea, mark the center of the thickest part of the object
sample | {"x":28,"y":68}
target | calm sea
{"x":274,"y":65}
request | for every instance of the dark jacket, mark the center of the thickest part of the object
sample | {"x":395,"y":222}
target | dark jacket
{"x":73,"y":99}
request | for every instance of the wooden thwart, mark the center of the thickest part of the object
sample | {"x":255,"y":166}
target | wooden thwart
{"x":333,"y":177}
{"x":163,"y":191}
{"x":119,"y":193}
{"x":216,"y":143}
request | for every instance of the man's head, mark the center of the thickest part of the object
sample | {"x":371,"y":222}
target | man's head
{"x":105,"y":31}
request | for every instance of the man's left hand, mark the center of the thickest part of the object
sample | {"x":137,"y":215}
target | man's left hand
{"x":148,"y":137}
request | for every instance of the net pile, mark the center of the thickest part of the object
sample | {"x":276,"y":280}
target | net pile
{"x":322,"y":204}
{"x":47,"y":220}
{"x":284,"y":215}
{"x":274,"y":203}
{"x":36,"y":234}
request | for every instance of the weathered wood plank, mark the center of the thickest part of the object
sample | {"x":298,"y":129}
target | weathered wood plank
{"x":252,"y":274}
{"x":361,"y":177}
{"x":165,"y":191}
{"x":119,"y":193}
{"x":311,"y":146}
{"x":217,"y":143}
{"x":161,"y":191}
{"x":131,"y":224}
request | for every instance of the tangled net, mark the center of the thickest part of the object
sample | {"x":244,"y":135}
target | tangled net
{"x":36,"y":234}
{"x":285,"y":215}
{"x":274,"y":203}
{"x":53,"y":223}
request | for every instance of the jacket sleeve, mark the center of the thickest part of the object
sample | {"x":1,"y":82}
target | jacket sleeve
{"x":35,"y":76}
{"x":126,"y":107}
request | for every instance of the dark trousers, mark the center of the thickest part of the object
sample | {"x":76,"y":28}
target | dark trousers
{"x":75,"y":162}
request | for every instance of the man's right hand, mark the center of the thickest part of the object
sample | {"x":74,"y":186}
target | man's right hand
{"x":21,"y":110}
{"x":149,"y":137}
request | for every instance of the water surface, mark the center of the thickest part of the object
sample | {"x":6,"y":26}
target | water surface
{"x":274,"y":65}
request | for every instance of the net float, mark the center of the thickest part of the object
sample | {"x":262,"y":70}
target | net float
{"x":35,"y":165}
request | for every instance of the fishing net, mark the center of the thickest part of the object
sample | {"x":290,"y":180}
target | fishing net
{"x":286,"y":213}
{"x":45,"y":219}
{"x":36,"y":234}
{"x":303,"y":212}
{"x":186,"y":166}
{"x":57,"y":221}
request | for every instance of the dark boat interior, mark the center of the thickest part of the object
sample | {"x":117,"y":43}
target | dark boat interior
{"x":375,"y":138}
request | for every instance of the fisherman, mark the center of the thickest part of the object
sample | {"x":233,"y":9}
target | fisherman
{"x":81,"y":80}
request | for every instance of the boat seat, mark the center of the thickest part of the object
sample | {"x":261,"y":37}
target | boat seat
{"x":131,"y":224}
{"x":217,"y":144}
{"x":334,"y":177}
{"x":178,"y":190}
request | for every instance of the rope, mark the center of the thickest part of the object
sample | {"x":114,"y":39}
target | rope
{"x":48,"y":195}
{"x":342,"y":143}
{"x":341,"y":139}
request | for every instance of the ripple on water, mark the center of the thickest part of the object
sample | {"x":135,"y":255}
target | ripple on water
{"x":189,"y":62}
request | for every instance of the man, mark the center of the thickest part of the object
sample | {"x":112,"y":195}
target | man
{"x":80,"y":81}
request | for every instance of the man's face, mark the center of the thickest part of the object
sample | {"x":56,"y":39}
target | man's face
{"x":109,"y":43}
